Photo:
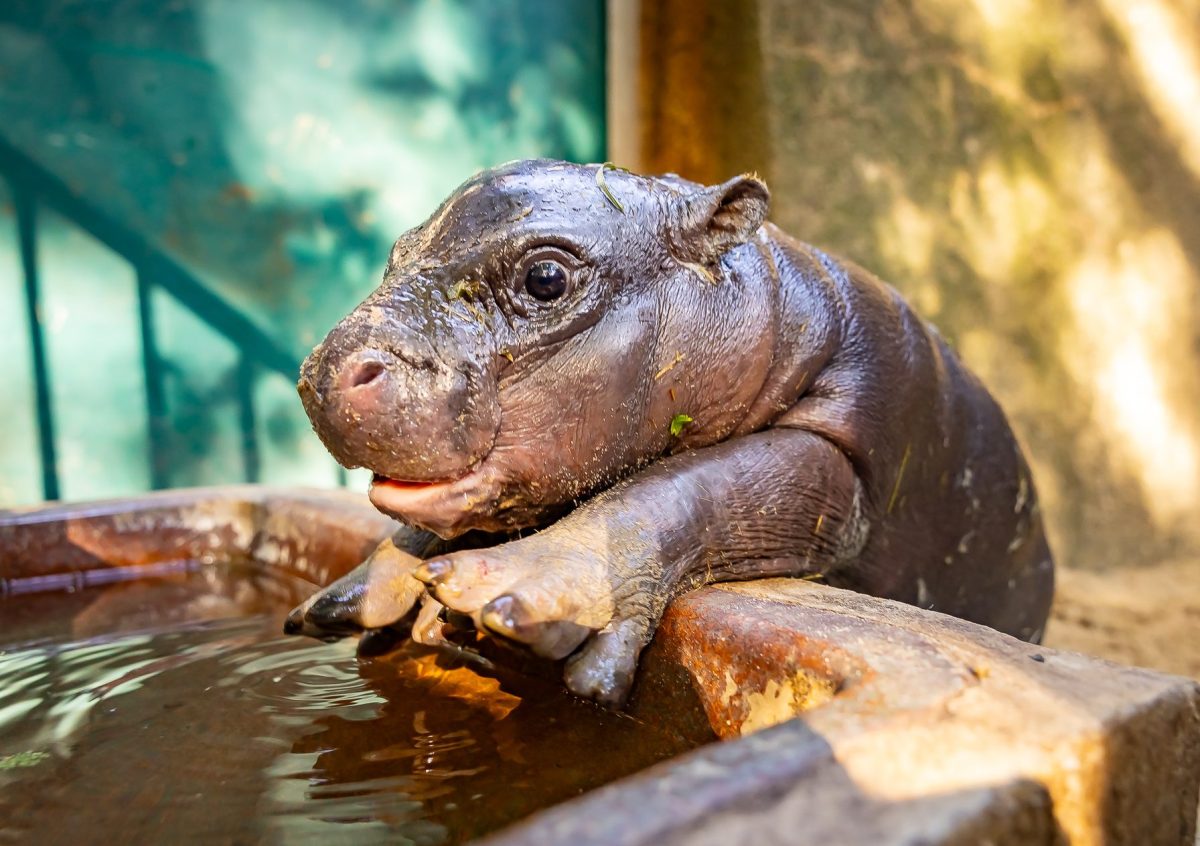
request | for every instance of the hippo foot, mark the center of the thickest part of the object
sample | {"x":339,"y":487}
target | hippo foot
{"x":557,"y":602}
{"x":379,"y":594}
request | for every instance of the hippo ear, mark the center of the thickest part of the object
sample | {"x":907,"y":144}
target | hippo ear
{"x":720,"y":217}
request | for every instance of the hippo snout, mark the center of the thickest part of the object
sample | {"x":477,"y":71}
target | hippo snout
{"x":397,"y":409}
{"x":363,"y":370}
{"x":365,"y":381}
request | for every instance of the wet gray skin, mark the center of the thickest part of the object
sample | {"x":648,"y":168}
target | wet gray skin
{"x":584,"y":392}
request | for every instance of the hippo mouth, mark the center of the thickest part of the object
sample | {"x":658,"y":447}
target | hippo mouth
{"x":387,"y":489}
{"x":446,"y":507}
{"x":403,"y":484}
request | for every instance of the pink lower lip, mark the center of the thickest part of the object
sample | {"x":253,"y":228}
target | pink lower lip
{"x":410,"y":499}
{"x":401,"y":490}
{"x":440,"y":507}
{"x":407,"y":484}
{"x":389,"y":490}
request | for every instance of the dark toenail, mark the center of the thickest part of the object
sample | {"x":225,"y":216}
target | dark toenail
{"x":332,"y":616}
{"x":431,"y":571}
{"x":502,"y":608}
{"x":327,"y":610}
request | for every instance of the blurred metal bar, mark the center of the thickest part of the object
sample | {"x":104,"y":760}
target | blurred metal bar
{"x":246,"y":376}
{"x":26,"y":207}
{"x":25,"y":174}
{"x":157,"y":424}
{"x":33,"y":184}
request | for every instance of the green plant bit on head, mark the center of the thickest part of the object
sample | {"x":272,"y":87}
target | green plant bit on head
{"x":603,"y":186}
{"x":507,"y":353}
{"x":701,"y":271}
{"x":22,"y":759}
{"x":665,"y":370}
{"x":899,"y":478}
{"x":468,"y":291}
{"x":465,"y":289}
{"x":476,"y":312}
{"x":677,"y":424}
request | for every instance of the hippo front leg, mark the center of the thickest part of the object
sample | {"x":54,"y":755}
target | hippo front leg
{"x":594,"y":585}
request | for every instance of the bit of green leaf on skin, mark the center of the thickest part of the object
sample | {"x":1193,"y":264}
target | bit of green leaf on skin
{"x":899,"y":478}
{"x":480,"y":316}
{"x":677,"y":424}
{"x":507,"y":353}
{"x":22,"y":759}
{"x":667,"y":369}
{"x":603,"y":186}
{"x":701,"y":271}
{"x":465,"y":289}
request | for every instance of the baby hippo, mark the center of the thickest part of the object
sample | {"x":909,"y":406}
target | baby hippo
{"x":583,"y":392}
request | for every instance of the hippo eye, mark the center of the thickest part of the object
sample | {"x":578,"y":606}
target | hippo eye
{"x":546,"y":280}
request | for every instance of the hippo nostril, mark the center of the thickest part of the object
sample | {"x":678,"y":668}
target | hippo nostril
{"x":364,"y":373}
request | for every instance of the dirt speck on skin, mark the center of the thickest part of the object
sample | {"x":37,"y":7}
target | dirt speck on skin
{"x":1144,"y":616}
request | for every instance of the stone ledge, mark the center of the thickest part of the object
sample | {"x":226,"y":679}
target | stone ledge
{"x":856,"y":720}
{"x":849,"y":720}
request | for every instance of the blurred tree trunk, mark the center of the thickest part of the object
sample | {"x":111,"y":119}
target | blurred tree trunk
{"x":694,"y":91}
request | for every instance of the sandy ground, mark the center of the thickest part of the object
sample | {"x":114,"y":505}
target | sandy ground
{"x":1146,"y":616}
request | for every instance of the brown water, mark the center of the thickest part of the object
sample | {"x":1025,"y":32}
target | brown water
{"x":172,"y":710}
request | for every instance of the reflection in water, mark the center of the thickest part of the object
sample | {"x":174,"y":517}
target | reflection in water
{"x":223,"y":730}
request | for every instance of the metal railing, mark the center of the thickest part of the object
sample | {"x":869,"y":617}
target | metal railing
{"x":33,"y":187}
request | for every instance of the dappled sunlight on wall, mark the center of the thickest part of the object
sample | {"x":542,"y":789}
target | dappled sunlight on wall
{"x":1130,"y":315}
{"x":1164,"y":44}
{"x":1025,"y":172}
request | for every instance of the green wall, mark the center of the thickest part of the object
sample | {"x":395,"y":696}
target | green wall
{"x":266,"y":153}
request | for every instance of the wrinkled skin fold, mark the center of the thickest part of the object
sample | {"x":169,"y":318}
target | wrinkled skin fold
{"x":584,"y":391}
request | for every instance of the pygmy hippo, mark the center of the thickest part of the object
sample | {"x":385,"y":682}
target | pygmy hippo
{"x":584,"y":392}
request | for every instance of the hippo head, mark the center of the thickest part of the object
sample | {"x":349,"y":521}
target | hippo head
{"x":506,"y":365}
